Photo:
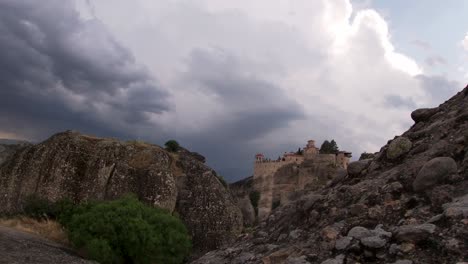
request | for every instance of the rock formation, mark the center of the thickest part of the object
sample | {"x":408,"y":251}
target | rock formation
{"x":22,"y":248}
{"x":243,"y":191}
{"x":407,"y":204}
{"x":9,"y":147}
{"x":83,"y":168}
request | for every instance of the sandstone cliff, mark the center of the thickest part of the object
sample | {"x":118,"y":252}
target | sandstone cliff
{"x":243,"y":191}
{"x":288,"y":182}
{"x":83,"y":168}
{"x":407,"y":204}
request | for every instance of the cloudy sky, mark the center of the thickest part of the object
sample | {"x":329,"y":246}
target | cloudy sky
{"x":228,"y":78}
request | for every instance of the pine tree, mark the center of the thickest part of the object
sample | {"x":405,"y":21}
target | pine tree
{"x":329,"y":147}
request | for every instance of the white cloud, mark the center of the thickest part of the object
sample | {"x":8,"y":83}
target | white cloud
{"x":465,"y":42}
{"x":340,"y":67}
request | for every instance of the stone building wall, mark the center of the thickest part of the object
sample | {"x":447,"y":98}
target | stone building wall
{"x":275,"y":180}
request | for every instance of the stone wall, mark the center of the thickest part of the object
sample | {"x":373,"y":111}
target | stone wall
{"x":276,"y":180}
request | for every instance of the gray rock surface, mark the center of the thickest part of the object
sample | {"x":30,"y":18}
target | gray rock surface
{"x":414,"y":233}
{"x":398,"y":147}
{"x":423,"y":114}
{"x":22,"y":248}
{"x":84,"y":167}
{"x":343,"y":243}
{"x":355,"y":168}
{"x":359,"y":232}
{"x":9,"y":147}
{"x":433,"y":172}
{"x":374,"y":242}
{"x":458,"y":208}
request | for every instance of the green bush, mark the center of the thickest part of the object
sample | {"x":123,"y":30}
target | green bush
{"x":366,"y":155}
{"x":38,"y":208}
{"x":275,"y":204}
{"x":172,"y":145}
{"x":41,"y":208}
{"x":127,"y":231}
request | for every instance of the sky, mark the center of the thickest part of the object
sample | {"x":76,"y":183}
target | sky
{"x":228,"y":79}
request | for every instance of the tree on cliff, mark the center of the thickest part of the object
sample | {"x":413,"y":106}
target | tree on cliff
{"x":299,"y":151}
{"x":329,"y":147}
{"x":366,"y":155}
{"x":172,"y":145}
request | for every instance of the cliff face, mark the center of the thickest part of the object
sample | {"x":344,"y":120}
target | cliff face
{"x":9,"y":147}
{"x":243,"y":191}
{"x":282,"y":185}
{"x":408,"y":204}
{"x":84,"y":168}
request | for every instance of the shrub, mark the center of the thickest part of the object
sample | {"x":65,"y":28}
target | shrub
{"x":38,"y":208}
{"x":172,"y":145}
{"x":366,"y":155}
{"x":127,"y":231}
{"x":275,"y":204}
{"x":43,"y":209}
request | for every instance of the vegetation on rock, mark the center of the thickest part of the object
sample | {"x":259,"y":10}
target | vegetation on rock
{"x":127,"y":231}
{"x":119,"y":231}
{"x":366,"y":155}
{"x":329,"y":147}
{"x":172,"y":145}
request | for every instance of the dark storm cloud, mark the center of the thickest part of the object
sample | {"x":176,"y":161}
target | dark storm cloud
{"x":247,"y":100}
{"x":58,"y":71}
{"x":250,"y":108}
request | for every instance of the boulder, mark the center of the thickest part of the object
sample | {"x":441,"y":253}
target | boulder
{"x":433,"y":172}
{"x":457,"y":208}
{"x":398,"y":147}
{"x":414,"y":233}
{"x":423,"y":114}
{"x":373,"y":242}
{"x":355,"y":168}
{"x":359,"y":232}
{"x":343,"y":243}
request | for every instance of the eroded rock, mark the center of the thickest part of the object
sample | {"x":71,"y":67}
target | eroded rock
{"x":414,"y":233}
{"x":398,"y":147}
{"x":433,"y":172}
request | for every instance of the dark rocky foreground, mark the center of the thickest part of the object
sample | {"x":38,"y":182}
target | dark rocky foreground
{"x":83,"y":167}
{"x":22,"y":248}
{"x":408,"y":204}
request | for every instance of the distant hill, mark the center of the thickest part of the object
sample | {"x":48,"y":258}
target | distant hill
{"x":6,"y":141}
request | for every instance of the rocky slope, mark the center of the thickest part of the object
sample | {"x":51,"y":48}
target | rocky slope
{"x":408,"y":204}
{"x":9,"y":147}
{"x":83,"y":167}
